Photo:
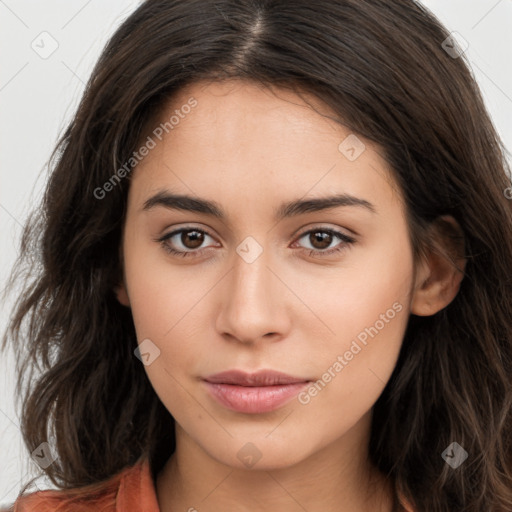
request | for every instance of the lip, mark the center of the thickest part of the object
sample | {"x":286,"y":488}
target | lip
{"x":254,"y":393}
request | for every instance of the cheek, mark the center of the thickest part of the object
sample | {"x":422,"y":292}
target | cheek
{"x":365,"y":283}
{"x":176,"y":323}
{"x":366,"y":307}
{"x":168,"y":307}
{"x":169,"y":315}
{"x":162,"y":294}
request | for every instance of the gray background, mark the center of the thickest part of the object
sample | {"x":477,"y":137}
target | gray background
{"x":39,"y":92}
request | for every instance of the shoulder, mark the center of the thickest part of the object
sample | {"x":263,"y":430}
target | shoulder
{"x":132,"y":490}
{"x":64,"y":501}
{"x":53,"y":501}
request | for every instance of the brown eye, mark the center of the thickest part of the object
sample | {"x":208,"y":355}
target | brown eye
{"x":324,"y":242}
{"x":185,"y":242}
{"x":192,"y":239}
{"x":320,"y":239}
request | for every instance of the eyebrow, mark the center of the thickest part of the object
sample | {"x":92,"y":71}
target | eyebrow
{"x":291,"y":209}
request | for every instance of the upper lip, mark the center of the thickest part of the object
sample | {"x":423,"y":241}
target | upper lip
{"x":259,"y":378}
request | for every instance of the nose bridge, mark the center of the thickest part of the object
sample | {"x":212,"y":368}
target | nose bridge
{"x":251,"y":281}
{"x":252,"y":305}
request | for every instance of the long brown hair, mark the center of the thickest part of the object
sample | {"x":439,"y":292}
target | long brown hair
{"x":382,"y":69}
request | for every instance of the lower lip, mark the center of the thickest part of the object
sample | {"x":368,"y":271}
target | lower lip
{"x":254,"y":400}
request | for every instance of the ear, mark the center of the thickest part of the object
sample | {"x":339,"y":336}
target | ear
{"x":122,"y":294}
{"x":441,"y":271}
{"x":120,"y":289}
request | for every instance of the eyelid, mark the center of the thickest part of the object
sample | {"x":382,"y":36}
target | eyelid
{"x":349,"y":233}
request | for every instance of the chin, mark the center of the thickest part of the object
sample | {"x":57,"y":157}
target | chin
{"x":257,"y":453}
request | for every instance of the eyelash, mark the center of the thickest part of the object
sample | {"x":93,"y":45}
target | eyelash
{"x":346,"y":241}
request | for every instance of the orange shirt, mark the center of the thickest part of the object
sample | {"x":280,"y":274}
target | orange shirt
{"x":133,"y":490}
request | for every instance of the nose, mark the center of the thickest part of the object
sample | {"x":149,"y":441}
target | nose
{"x":255,"y":303}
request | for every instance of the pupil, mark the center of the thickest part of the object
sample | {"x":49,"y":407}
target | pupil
{"x":194,"y":240}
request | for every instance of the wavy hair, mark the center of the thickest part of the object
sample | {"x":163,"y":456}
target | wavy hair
{"x":382,"y":69}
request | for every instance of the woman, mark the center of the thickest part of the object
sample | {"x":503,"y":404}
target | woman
{"x":275,"y":270}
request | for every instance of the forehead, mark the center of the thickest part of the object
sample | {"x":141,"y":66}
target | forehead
{"x":222,"y":138}
{"x":252,"y":114}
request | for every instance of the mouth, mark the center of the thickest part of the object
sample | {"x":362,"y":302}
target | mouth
{"x":254,"y":393}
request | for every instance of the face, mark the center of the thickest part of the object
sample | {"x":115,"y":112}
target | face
{"x":300,"y":262}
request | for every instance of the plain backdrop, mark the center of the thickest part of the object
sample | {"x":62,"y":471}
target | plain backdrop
{"x":39,"y":92}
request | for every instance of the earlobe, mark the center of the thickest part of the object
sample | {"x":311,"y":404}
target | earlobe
{"x":120,"y":289}
{"x":440,"y":274}
{"x":122,"y":295}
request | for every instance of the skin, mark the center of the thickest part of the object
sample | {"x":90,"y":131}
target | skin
{"x":251,"y":149}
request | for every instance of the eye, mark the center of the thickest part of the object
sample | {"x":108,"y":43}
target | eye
{"x":321,"y":241}
{"x":184,"y":242}
{"x":188,"y":242}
